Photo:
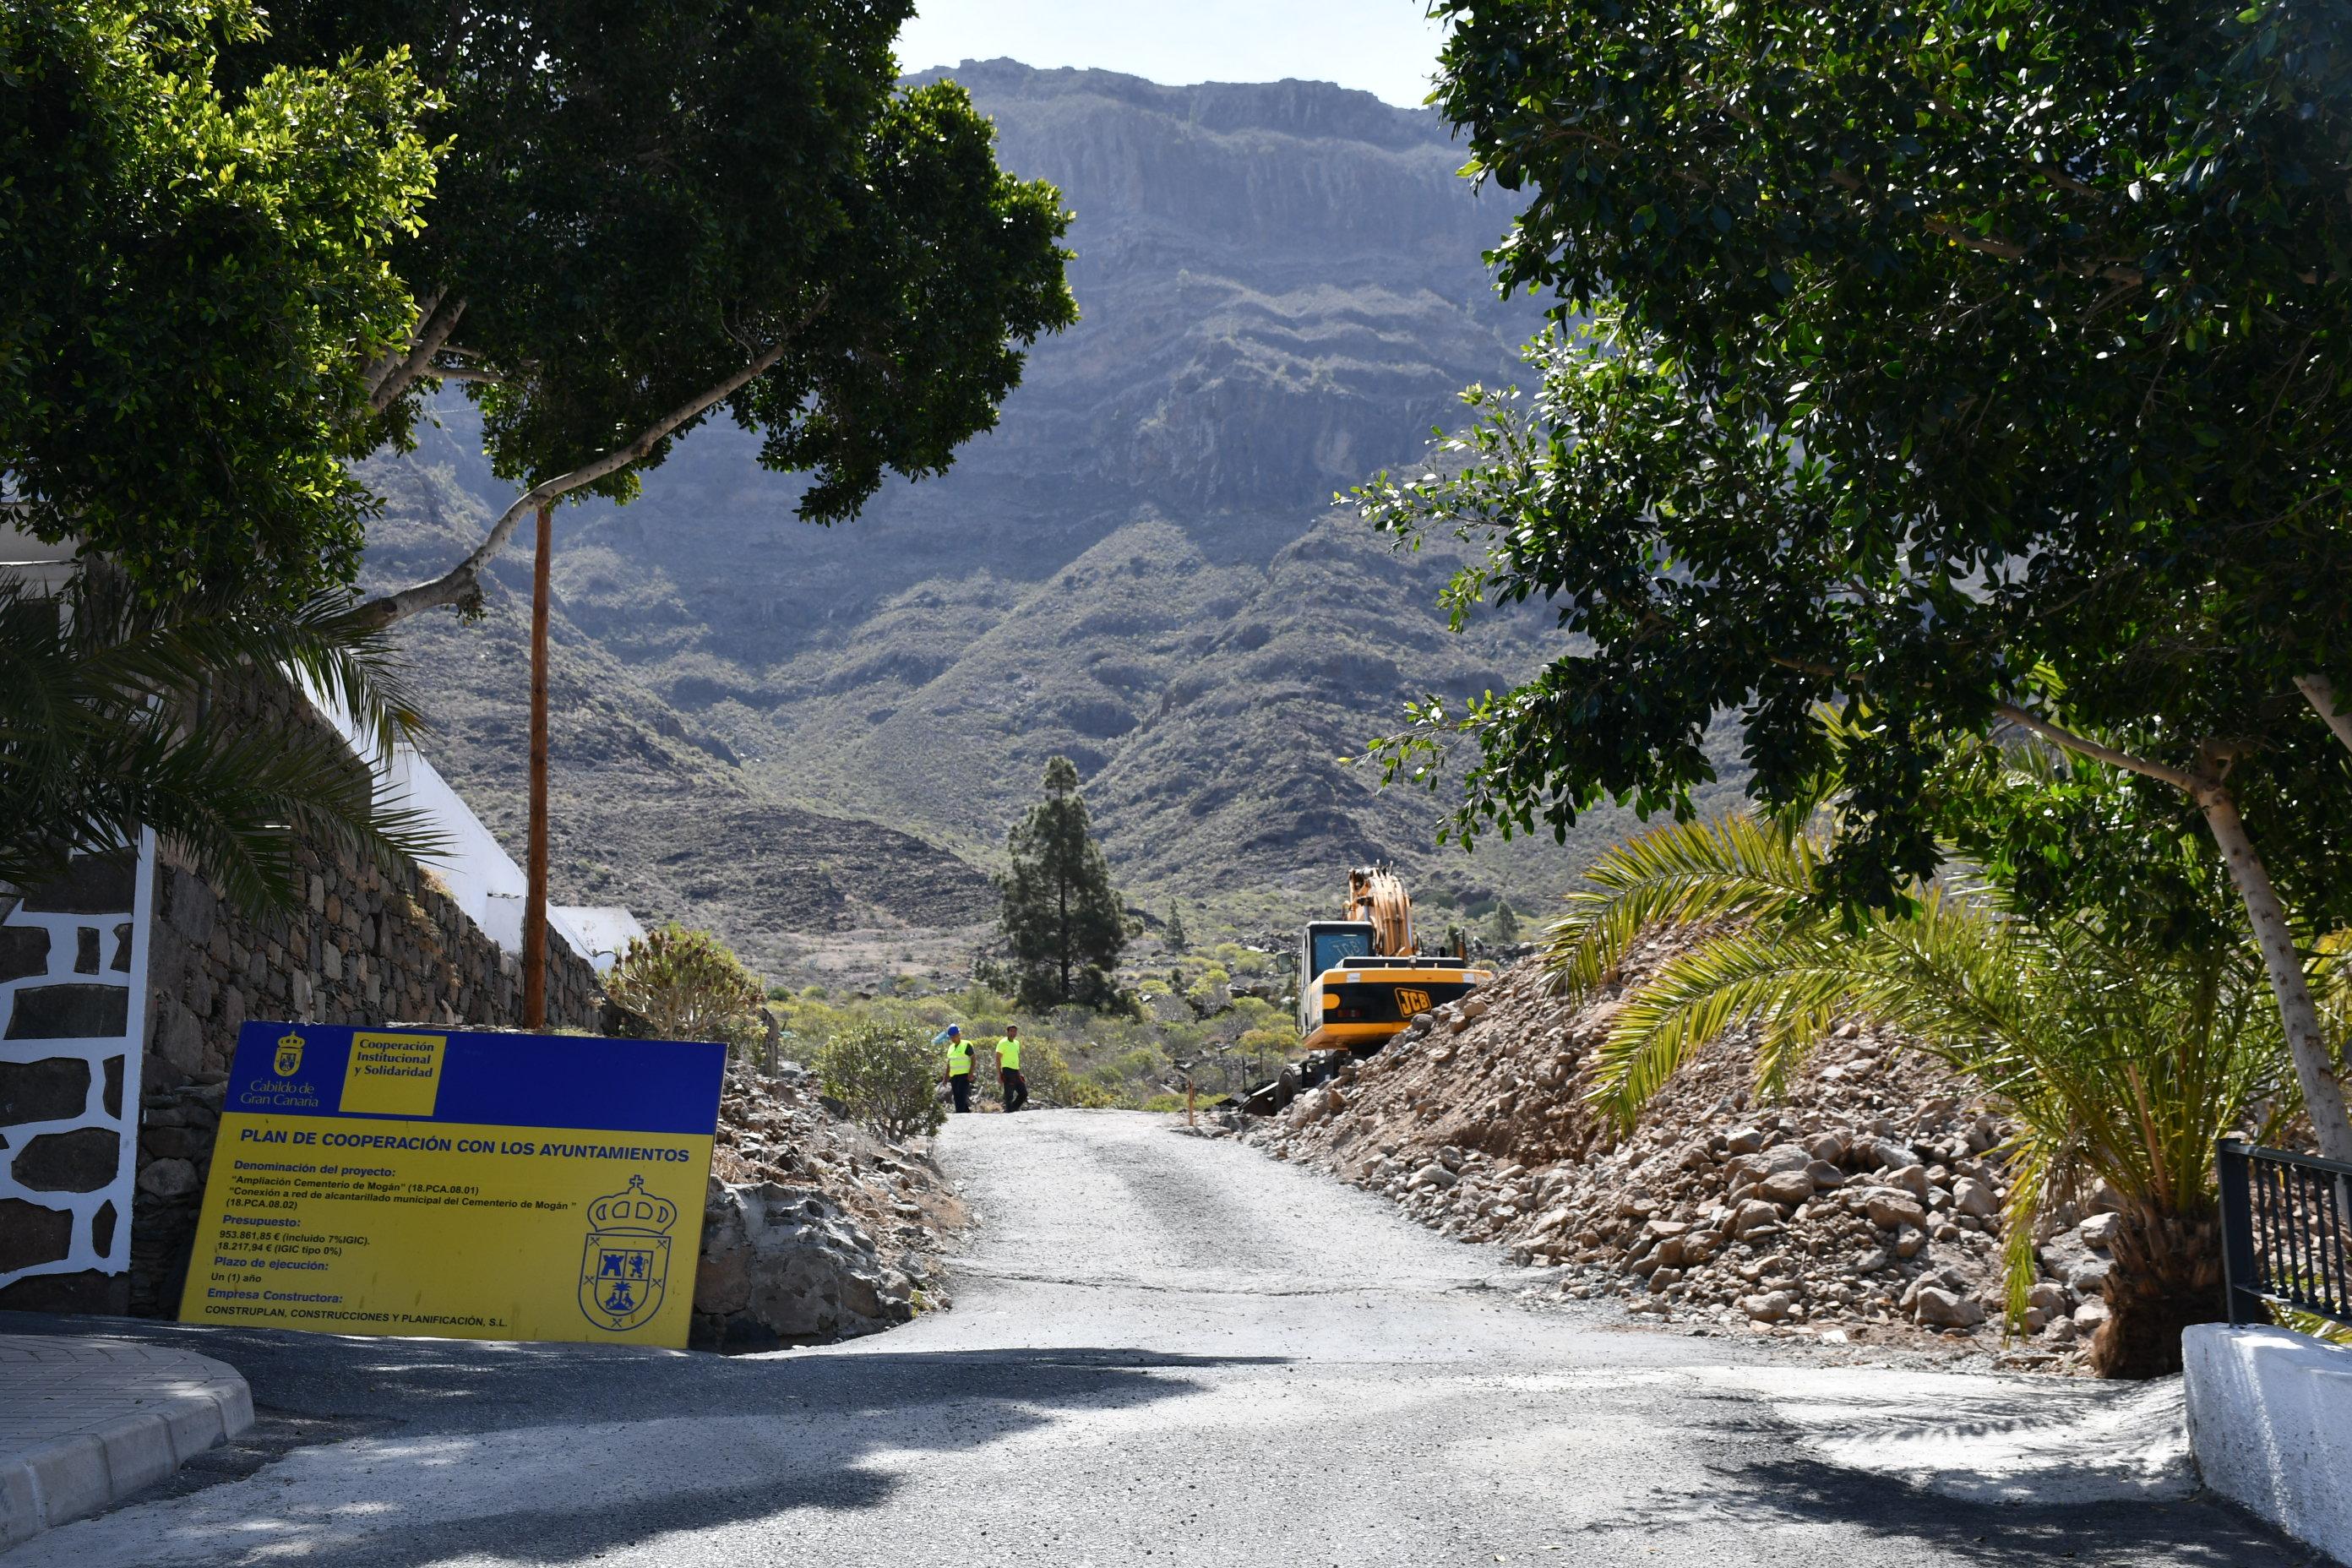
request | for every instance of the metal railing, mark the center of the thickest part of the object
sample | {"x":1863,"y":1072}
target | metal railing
{"x":2286,"y":1231}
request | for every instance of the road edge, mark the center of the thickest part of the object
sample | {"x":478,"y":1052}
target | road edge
{"x":193,"y":1403}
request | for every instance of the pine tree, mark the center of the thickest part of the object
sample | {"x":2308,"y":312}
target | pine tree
{"x":1177,"y":939}
{"x":1507,"y":923}
{"x":1061,"y":918}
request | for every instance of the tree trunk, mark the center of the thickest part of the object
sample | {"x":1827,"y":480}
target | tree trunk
{"x":2320,"y":692}
{"x":463,"y":581}
{"x":2314,"y":1064}
{"x":2166,"y":1275}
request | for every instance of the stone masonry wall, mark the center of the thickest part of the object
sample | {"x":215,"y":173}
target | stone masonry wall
{"x":364,"y":947}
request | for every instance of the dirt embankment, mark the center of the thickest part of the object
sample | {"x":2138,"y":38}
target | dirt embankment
{"x":1864,"y":1207}
{"x":815,"y":1228}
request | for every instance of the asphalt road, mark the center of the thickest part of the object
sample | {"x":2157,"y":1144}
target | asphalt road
{"x":1165,"y":1350}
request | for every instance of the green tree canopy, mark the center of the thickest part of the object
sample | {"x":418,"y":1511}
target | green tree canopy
{"x":195,"y":281}
{"x":1061,"y":917}
{"x":1947,"y":368}
{"x":656,"y":211}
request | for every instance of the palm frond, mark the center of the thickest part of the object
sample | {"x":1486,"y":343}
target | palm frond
{"x":1732,"y":867}
{"x":104,"y":728}
{"x":1782,"y":982}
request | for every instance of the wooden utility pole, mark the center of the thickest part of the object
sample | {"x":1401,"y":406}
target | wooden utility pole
{"x":534,"y":913}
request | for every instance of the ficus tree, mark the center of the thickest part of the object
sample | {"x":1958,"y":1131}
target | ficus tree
{"x":654,"y":213}
{"x":197,"y":275}
{"x":1944,"y":369}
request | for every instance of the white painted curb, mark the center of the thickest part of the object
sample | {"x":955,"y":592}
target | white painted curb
{"x":2270,"y":1419}
{"x":54,"y":1468}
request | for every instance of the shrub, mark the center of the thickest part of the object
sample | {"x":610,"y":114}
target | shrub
{"x":1052,"y":1083}
{"x":682,"y":984}
{"x":888,"y":1074}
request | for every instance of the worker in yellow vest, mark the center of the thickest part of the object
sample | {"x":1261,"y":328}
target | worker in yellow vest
{"x":958,"y":1073}
{"x":1008,"y":1068}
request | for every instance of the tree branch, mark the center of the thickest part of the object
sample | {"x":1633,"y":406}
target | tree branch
{"x":1967,"y":239}
{"x":461,"y":582}
{"x":2082,"y":745}
{"x":431,"y":334}
{"x":2320,"y":692}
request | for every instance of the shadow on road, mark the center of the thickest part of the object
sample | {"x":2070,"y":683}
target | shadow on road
{"x":1774,"y":1493}
{"x":558,"y":1453}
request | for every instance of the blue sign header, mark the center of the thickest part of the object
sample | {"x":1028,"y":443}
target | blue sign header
{"x":515,"y":1080}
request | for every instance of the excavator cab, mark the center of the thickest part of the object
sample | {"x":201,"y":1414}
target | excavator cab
{"x":1359,"y":980}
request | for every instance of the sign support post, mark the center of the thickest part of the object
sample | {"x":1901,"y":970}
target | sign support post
{"x":534,"y":911}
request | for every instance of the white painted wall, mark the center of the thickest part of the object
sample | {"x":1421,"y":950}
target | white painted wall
{"x":480,"y":874}
{"x":131,"y":1045}
{"x":2270,"y":1420}
{"x":607,"y":929}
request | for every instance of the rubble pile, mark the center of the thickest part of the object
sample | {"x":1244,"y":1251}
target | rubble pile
{"x":815,"y":1228}
{"x":1865,"y":1206}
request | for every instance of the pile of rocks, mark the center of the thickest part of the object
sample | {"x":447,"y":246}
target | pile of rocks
{"x":814,"y":1229}
{"x":1866,"y":1203}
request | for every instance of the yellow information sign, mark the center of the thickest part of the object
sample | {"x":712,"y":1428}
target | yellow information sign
{"x":461,"y":1186}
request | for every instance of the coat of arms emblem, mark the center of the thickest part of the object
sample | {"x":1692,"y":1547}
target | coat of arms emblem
{"x":625,"y":1265}
{"x":288,"y":1061}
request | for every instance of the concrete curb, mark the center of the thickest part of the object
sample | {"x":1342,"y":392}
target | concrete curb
{"x":2270,"y":1417}
{"x":84,"y":1423}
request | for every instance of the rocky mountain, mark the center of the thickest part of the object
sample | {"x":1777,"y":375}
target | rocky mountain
{"x":1283,"y":290}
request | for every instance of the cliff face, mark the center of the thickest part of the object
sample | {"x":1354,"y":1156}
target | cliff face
{"x":1283,"y":291}
{"x":1281,"y":287}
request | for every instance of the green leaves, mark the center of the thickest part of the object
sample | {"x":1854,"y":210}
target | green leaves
{"x":682,"y":984}
{"x":197,"y":280}
{"x":639,"y":202}
{"x":1065,"y":923}
{"x":1940,"y":345}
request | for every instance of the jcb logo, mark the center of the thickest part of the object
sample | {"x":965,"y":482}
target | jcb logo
{"x":1410,"y":1002}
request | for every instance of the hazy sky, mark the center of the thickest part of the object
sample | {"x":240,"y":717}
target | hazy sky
{"x":1384,"y":46}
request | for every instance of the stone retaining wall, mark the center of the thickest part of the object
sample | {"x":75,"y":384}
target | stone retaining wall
{"x":363,"y":947}
{"x":367,"y":947}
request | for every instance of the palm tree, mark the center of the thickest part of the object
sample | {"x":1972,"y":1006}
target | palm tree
{"x":109,"y":723}
{"x":2115,"y":1060}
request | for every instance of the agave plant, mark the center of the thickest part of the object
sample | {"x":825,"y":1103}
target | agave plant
{"x":110,"y":722}
{"x":2116,"y":1061}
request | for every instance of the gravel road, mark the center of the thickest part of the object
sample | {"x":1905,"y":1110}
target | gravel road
{"x":1172,"y":1350}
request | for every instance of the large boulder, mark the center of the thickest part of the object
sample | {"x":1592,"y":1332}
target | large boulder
{"x":789,"y":1266}
{"x":1786,"y":1188}
{"x":1889,"y":1209}
{"x":1939,"y":1307}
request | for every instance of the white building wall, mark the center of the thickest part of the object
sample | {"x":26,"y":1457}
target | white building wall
{"x":480,"y":874}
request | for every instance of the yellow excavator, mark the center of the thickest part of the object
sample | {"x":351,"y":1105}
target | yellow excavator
{"x":1362,"y":977}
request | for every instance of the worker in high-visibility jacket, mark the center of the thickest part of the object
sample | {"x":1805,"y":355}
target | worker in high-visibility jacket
{"x":958,"y":1073}
{"x":1008,"y":1068}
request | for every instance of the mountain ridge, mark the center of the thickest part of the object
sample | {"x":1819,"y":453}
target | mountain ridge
{"x":1143,"y":567}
